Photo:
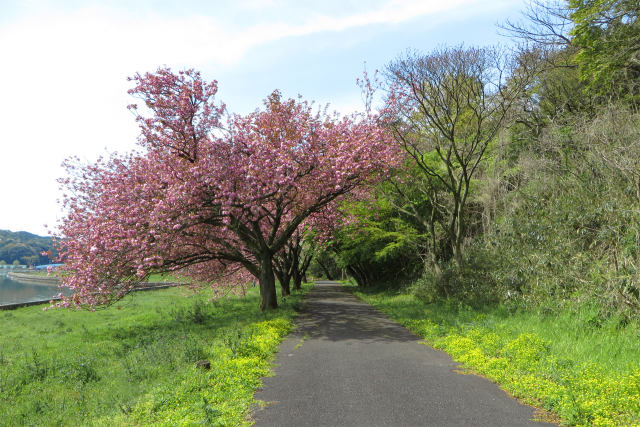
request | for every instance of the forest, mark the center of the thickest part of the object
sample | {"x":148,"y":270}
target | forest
{"x":510,"y":235}
{"x":24,"y":248}
{"x":521,"y":185}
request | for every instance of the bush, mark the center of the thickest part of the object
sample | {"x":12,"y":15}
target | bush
{"x":473,"y":284}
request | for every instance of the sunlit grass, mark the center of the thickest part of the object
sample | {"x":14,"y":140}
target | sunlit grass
{"x":134,"y":363}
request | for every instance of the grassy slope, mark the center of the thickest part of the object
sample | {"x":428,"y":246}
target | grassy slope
{"x":585,"y":373}
{"x":134,"y":363}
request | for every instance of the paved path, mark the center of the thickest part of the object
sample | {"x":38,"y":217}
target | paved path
{"x":347,"y":365}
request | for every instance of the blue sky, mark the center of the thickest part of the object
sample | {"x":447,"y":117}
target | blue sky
{"x":64,"y":67}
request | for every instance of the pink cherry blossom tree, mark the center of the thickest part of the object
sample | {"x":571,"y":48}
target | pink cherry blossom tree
{"x":212,"y":200}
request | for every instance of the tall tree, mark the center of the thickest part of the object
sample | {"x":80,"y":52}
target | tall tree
{"x":444,"y":109}
{"x":202,"y":198}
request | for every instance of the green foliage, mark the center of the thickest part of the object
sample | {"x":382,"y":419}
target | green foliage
{"x":381,"y":242}
{"x":560,"y":92}
{"x":546,"y":297}
{"x":324,"y":264}
{"x":586,"y":375}
{"x":550,"y":218}
{"x":134,"y":363}
{"x":569,"y":231}
{"x":473,"y":283}
{"x":607,"y":33}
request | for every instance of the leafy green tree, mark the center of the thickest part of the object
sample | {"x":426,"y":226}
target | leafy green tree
{"x":420,"y":201}
{"x":607,"y":34}
{"x":446,"y":107}
{"x":324,"y":264}
{"x":379,"y":243}
{"x":601,"y":38}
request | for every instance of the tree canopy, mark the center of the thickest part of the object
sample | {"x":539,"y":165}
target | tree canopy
{"x":607,"y":33}
{"x":215,"y":201}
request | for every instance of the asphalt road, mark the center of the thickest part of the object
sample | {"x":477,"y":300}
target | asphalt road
{"x":348,"y":365}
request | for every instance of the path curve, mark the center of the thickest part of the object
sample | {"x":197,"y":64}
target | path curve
{"x":348,"y":365}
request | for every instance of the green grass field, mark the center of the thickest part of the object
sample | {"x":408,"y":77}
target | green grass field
{"x":135,"y":362}
{"x":584,"y":371}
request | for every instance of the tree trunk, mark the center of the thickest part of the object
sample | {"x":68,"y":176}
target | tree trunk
{"x":268,"y":297}
{"x":326,"y":270}
{"x":359,"y":273}
{"x":457,"y":255}
{"x":458,"y":237}
{"x":434,"y":240}
{"x":302,"y":271}
{"x":297,"y":279}
{"x":285,"y":286}
{"x":284,"y":277}
{"x":294,"y":264}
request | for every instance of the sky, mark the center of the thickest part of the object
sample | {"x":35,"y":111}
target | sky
{"x":64,"y":66}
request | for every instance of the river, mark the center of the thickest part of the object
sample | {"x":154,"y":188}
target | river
{"x":12,"y":291}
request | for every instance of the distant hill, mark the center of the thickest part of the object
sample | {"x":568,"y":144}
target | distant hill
{"x":24,"y":247}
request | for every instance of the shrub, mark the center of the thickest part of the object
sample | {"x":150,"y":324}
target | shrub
{"x":472,"y":284}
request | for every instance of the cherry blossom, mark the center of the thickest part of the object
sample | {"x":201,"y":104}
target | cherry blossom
{"x":209,"y":197}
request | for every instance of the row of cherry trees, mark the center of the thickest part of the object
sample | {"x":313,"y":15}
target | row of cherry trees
{"x":215,"y":197}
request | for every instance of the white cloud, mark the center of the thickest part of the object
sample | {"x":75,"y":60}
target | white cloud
{"x":391,"y":12}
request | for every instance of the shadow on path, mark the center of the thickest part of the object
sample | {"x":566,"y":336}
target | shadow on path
{"x":333,"y":314}
{"x":348,"y":365}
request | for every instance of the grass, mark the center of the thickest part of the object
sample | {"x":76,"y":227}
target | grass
{"x":135,"y":362}
{"x":583,"y":370}
{"x":164,"y":277}
{"x":36,"y":273}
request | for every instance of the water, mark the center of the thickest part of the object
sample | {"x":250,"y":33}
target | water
{"x":12,"y":291}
